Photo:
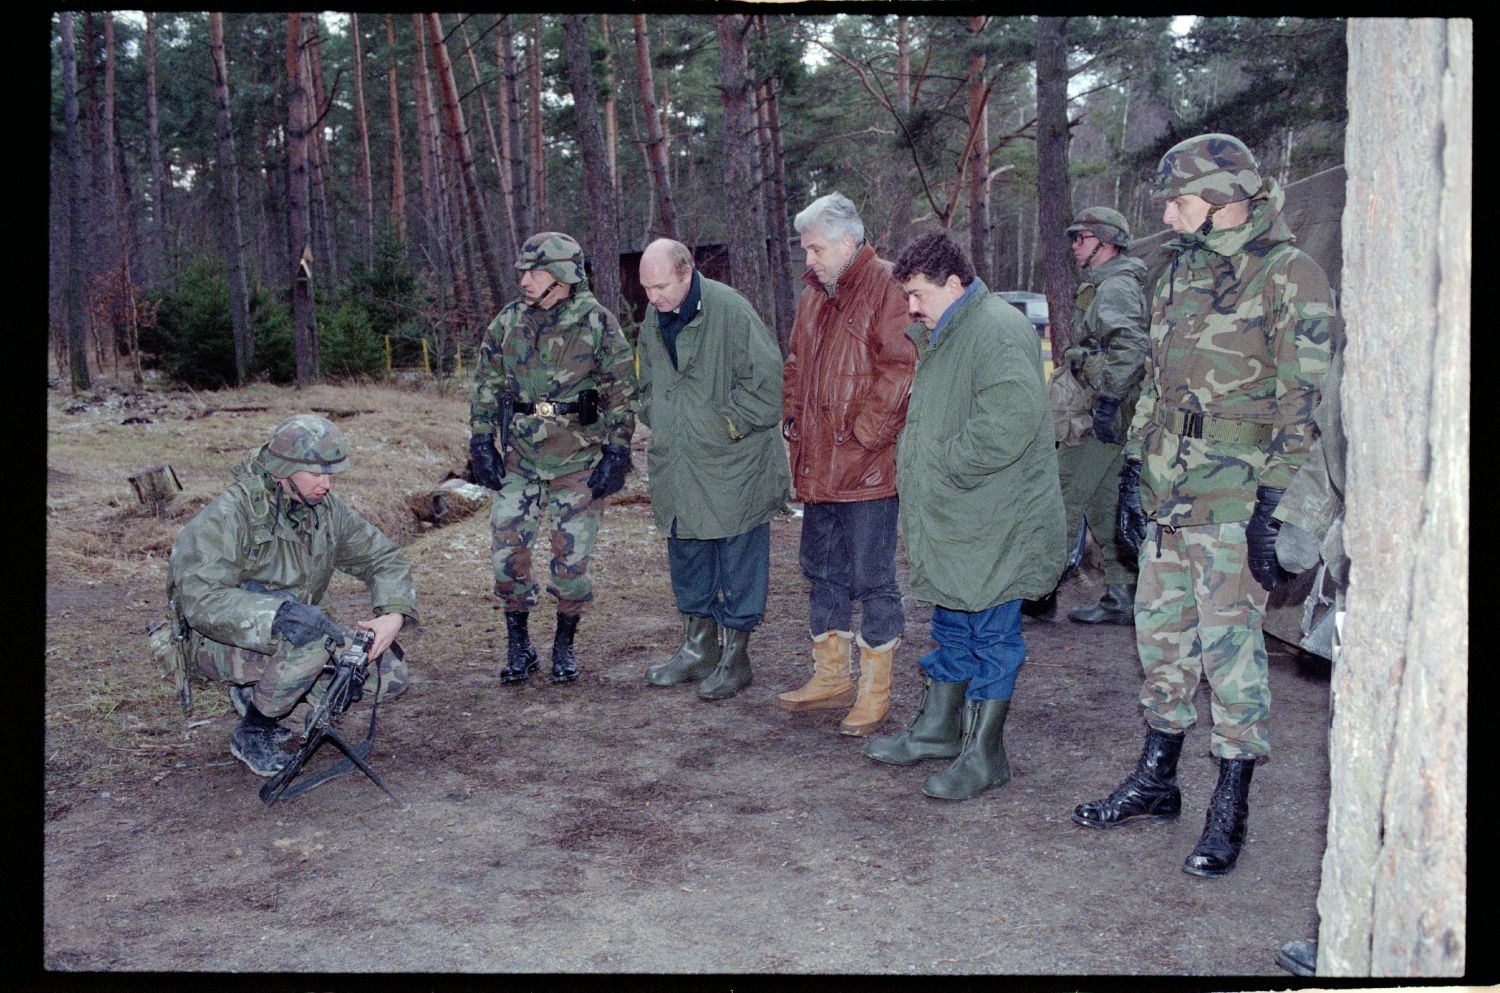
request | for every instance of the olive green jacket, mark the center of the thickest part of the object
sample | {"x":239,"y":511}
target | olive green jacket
{"x":1109,"y":333}
{"x":976,"y":468}
{"x":716,"y":460}
{"x":254,"y":532}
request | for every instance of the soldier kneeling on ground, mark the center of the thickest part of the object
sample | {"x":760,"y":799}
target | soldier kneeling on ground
{"x":248,"y":574}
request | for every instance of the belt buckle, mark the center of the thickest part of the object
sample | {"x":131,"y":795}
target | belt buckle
{"x":545,"y":408}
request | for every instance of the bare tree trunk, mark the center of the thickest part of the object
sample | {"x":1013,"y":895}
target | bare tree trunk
{"x":426,"y":142}
{"x":744,"y":208}
{"x":901,"y":212}
{"x":604,"y":228}
{"x":78,"y":360}
{"x":538,"y":211}
{"x":229,"y":181}
{"x":398,"y":171}
{"x":655,"y":142}
{"x":158,"y":173}
{"x":507,"y":239}
{"x":505,"y":38}
{"x":611,"y":108}
{"x":366,"y":184}
{"x":458,"y":137}
{"x":778,"y":222}
{"x":304,"y":317}
{"x":979,"y":165}
{"x":112,"y":198}
{"x":318,"y":152}
{"x":1053,"y":188}
{"x":1392,"y":898}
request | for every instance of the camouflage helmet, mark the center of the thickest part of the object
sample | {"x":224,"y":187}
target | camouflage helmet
{"x":304,"y":443}
{"x":1217,"y":167}
{"x":553,"y":252}
{"x":1109,"y":226}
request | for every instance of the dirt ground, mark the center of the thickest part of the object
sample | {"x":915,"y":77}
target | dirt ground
{"x":608,"y":826}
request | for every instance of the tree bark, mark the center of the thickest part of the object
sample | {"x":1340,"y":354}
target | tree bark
{"x":978,"y":165}
{"x":508,"y":243}
{"x":899,"y":168}
{"x":318,"y":157}
{"x":426,"y":142}
{"x":538,"y":211}
{"x":398,"y":172}
{"x":229,"y":183}
{"x":778,"y":221}
{"x":158,"y":172}
{"x":112,"y":198}
{"x":78,"y":360}
{"x":1392,"y":898}
{"x":603,"y":223}
{"x":304,"y":317}
{"x":744,"y":221}
{"x":458,"y":137}
{"x":366,"y":184}
{"x":505,"y":39}
{"x":1053,"y":188}
{"x":611,"y":108}
{"x":656,"y":148}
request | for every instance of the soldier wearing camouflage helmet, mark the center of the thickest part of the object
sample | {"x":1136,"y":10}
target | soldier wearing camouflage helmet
{"x":249,"y":572}
{"x":551,"y":417}
{"x":1242,"y":328}
{"x":1105,"y":358}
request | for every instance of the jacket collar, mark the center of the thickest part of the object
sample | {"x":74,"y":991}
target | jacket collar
{"x":853,"y":271}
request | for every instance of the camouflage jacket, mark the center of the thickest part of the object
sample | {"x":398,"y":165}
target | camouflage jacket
{"x":716,"y":461}
{"x":976,"y":468}
{"x":1109,"y":332}
{"x":1314,"y":501}
{"x":1241,"y":330}
{"x":254,"y":532}
{"x":555,"y":354}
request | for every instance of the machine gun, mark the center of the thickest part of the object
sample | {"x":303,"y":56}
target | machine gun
{"x":349,"y":665}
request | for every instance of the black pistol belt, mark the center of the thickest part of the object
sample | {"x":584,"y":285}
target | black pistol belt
{"x":546,"y":408}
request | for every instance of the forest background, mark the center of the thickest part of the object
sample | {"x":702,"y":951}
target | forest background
{"x":301,"y":196}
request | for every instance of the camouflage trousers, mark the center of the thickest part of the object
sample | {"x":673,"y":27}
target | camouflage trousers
{"x":1090,"y":476}
{"x":281,"y":680}
{"x":1198,"y":612}
{"x":516,"y":517}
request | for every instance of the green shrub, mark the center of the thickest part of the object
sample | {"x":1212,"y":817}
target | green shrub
{"x":193,"y":338}
{"x":348,"y":346}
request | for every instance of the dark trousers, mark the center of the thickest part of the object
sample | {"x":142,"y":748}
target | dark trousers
{"x":848,"y":553}
{"x":984,"y":647}
{"x":723,"y":578}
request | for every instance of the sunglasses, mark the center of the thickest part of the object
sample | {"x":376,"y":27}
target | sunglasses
{"x":1076,"y":236}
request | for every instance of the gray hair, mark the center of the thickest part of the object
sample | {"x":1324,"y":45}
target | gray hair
{"x":833,"y":216}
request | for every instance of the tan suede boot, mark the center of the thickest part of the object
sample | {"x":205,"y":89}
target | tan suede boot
{"x":874,"y":689}
{"x":830,"y":685}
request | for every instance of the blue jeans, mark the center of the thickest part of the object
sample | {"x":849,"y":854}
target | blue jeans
{"x":723,"y":578}
{"x":848,"y":553}
{"x":984,"y":647}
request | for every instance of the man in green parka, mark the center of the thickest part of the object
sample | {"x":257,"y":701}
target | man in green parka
{"x":710,"y":391}
{"x":981,"y":512}
{"x":249,"y":572}
{"x":1105,"y":358}
{"x":1242,"y":327}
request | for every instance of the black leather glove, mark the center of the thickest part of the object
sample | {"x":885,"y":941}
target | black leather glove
{"x":1129,"y":517}
{"x":609,"y":472}
{"x":1260,"y":539}
{"x":489,"y":467}
{"x":303,"y":624}
{"x":1104,"y":419}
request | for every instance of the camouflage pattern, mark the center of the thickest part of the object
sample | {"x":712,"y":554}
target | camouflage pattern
{"x":553,"y":252}
{"x":253,"y":532}
{"x":1217,"y":167}
{"x":1090,"y":478}
{"x":1108,"y":350}
{"x":282,"y":679}
{"x":1241,"y":330}
{"x":555,"y":354}
{"x":515,"y":519}
{"x":304,"y":443}
{"x":1199,"y":611}
{"x":1109,"y":226}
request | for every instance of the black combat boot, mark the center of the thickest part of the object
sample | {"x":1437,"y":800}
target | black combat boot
{"x":935,"y":733}
{"x":1043,"y":609}
{"x":1117,"y":606}
{"x":239,"y":699}
{"x":695,"y":658}
{"x":732,"y":674}
{"x":564,"y":665}
{"x":254,"y":743}
{"x":520,"y":656}
{"x":982,"y":763}
{"x":1149,"y":791}
{"x":1224,"y":827}
{"x":1299,"y":957}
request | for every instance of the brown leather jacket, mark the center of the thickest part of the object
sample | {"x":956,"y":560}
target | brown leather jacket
{"x":848,"y":373}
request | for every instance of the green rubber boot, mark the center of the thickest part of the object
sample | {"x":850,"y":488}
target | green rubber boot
{"x":981,"y":765}
{"x":935,"y":733}
{"x":696,"y":658}
{"x":733,"y":671}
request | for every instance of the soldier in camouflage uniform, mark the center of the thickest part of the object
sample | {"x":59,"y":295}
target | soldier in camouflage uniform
{"x":1106,"y":358}
{"x":249,"y":572}
{"x":1241,"y":331}
{"x":555,"y":390}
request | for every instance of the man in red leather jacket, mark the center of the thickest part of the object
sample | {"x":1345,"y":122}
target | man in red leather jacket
{"x":848,"y":372}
